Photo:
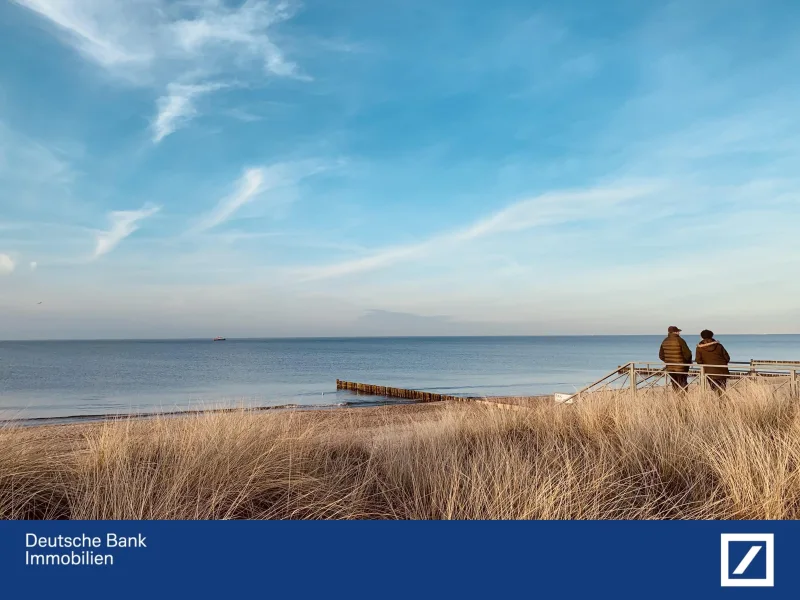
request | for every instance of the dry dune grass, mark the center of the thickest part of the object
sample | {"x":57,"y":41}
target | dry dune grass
{"x":652,"y":456}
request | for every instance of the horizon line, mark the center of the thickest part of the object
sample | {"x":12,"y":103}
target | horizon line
{"x":366,"y":337}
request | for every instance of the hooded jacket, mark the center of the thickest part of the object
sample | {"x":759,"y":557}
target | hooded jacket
{"x":711,"y":352}
{"x":674,"y":350}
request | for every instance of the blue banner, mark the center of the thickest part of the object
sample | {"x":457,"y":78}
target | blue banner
{"x":370,"y":559}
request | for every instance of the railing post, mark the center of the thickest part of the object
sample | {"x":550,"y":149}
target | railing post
{"x":703,"y":381}
{"x":633,"y":377}
{"x":794,"y":384}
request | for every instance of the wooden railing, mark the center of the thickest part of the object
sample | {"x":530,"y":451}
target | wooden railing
{"x":636,"y":376}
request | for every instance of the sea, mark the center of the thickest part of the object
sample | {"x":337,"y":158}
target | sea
{"x":57,"y":380}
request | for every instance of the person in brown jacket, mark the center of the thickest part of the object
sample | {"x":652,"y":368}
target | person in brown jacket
{"x":711,"y":352}
{"x":676,"y":353}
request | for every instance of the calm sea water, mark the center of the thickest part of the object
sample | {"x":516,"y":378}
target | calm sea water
{"x":60,"y":379}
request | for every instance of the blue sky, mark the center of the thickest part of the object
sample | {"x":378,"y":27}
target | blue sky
{"x":212,"y":167}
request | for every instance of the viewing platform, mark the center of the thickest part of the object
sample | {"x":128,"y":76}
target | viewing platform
{"x":653,"y":376}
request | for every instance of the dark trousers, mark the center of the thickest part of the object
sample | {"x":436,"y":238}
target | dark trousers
{"x":680,"y":381}
{"x":718,"y":383}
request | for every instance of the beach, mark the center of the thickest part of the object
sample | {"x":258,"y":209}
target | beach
{"x":653,"y":455}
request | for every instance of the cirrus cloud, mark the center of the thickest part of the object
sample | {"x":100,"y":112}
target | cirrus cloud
{"x":123,"y":224}
{"x":167,"y":44}
{"x":254,"y":182}
{"x":178,"y":107}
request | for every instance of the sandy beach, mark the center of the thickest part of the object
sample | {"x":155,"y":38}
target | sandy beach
{"x":617,"y":456}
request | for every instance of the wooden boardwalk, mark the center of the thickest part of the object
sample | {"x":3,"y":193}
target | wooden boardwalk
{"x":368,"y":389}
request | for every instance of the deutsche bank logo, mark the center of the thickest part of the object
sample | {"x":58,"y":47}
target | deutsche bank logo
{"x":748,"y":560}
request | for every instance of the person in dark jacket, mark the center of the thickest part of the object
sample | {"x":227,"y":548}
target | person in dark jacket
{"x":711,"y":352}
{"x":676,"y":353}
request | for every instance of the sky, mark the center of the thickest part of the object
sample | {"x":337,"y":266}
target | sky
{"x":258,"y":168}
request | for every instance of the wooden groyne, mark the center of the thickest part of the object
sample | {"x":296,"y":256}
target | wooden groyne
{"x":391,"y":392}
{"x":419,"y":396}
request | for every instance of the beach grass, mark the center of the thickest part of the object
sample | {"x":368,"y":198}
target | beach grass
{"x":655,"y":455}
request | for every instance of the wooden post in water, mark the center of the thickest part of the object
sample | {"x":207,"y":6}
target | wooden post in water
{"x":418,"y":395}
{"x":392,"y":392}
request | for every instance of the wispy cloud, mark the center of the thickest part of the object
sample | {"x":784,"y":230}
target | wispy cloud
{"x":123,"y":224}
{"x":129,"y":37}
{"x":249,"y":186}
{"x":255,"y":182}
{"x":6,"y":264}
{"x":547,"y":209}
{"x":160,"y":43}
{"x":246,"y":29}
{"x":178,"y":107}
{"x":34,"y":265}
{"x":115,"y":35}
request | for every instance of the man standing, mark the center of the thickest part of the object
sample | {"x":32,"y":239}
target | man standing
{"x":711,"y":352}
{"x":675,"y":352}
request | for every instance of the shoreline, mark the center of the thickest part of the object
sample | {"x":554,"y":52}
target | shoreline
{"x":356,"y":421}
{"x":112,"y":417}
{"x":651,"y":455}
{"x":380,"y":402}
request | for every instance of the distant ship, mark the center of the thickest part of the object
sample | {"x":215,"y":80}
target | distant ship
{"x":219,"y":339}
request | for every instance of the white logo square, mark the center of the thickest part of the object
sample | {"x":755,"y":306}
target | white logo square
{"x":731,"y":573}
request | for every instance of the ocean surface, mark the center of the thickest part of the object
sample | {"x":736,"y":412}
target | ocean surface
{"x":66,"y":379}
